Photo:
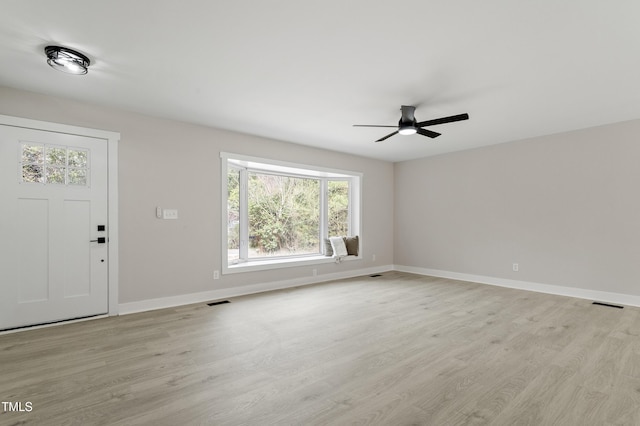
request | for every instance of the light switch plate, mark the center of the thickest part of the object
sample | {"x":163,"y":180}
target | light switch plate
{"x":170,"y":214}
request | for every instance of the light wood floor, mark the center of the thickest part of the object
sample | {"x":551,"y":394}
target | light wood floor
{"x":399,"y":349}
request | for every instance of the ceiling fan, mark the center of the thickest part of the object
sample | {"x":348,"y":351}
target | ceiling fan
{"x":408,"y":125}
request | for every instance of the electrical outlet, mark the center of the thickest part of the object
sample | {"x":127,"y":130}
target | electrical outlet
{"x":516,"y":267}
{"x":216,"y":275}
{"x":314,"y":272}
{"x":373,"y":258}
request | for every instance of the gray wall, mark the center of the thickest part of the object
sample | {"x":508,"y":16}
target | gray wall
{"x":177,"y":165}
{"x":565,"y":207}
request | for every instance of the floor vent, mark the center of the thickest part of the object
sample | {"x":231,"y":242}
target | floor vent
{"x":221,"y":302}
{"x":608,"y":305}
{"x":375,"y":275}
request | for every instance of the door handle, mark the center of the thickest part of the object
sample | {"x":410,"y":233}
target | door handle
{"x":100,"y":240}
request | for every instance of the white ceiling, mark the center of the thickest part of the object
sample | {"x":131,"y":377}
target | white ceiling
{"x":305,"y":71}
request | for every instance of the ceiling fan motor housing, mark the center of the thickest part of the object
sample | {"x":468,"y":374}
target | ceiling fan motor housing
{"x":407,"y":124}
{"x":408,"y":115}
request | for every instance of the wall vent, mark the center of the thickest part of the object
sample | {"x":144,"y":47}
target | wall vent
{"x":221,"y":302}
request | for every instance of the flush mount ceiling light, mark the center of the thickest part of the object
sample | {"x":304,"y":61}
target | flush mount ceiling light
{"x":66,"y":60}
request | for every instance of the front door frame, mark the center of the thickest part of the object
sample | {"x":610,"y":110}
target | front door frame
{"x":112,"y":138}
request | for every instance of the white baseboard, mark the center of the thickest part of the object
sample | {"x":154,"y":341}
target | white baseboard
{"x":580,"y":293}
{"x":212,"y":295}
{"x":206,"y":296}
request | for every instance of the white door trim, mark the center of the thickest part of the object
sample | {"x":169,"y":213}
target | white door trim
{"x":112,"y":139}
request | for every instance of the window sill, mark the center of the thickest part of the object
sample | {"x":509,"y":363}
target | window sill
{"x":262,"y":265}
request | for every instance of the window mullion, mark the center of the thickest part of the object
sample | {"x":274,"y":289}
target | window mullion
{"x":350,"y":208}
{"x":324,"y":212}
{"x":244,"y":216}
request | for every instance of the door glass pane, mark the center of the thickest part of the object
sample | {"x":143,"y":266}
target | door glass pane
{"x":56,"y":156}
{"x":284,"y":215}
{"x":32,"y":153}
{"x":32,"y":173}
{"x":77,"y":176}
{"x":55,"y":175}
{"x":77,"y":158}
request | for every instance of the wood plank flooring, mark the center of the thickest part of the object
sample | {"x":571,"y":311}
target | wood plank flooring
{"x":399,"y":349}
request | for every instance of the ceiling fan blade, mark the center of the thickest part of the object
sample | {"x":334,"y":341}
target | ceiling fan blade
{"x":372,"y":125}
{"x":443,"y":120}
{"x":387,"y":137}
{"x":428,"y":133}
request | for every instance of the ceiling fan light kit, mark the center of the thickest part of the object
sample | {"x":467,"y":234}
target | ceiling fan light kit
{"x":408,"y":125}
{"x":67,"y":60}
{"x":407,"y":130}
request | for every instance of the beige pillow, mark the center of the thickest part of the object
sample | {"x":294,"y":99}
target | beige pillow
{"x":352,"y":244}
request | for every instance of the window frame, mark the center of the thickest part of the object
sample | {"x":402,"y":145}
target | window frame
{"x":282,"y":168}
{"x":45,"y":165}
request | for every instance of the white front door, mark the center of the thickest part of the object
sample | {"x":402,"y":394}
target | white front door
{"x":53,"y":227}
